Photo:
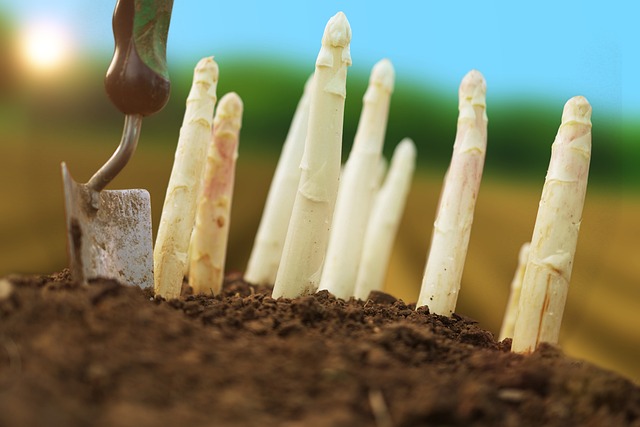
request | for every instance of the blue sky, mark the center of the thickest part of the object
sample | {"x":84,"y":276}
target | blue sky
{"x":546,"y":49}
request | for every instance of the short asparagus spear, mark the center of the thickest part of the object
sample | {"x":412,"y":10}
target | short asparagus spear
{"x":267,"y":248}
{"x":178,"y":213}
{"x":511,"y":312}
{"x":357,"y":184}
{"x":555,"y":235}
{"x":452,"y":228}
{"x":384,"y":220}
{"x":306,"y":242}
{"x":210,"y":234}
{"x":6,"y":288}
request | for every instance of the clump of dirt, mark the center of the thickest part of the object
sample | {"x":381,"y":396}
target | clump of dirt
{"x":113,"y":355}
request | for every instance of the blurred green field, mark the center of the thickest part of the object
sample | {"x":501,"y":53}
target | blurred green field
{"x":43,"y":126}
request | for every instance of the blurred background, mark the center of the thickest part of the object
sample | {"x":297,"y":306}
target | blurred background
{"x":534,"y":56}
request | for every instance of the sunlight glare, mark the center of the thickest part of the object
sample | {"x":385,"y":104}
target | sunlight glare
{"x":45,"y":46}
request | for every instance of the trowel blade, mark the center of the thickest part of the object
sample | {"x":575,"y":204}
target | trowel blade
{"x":110,"y":239}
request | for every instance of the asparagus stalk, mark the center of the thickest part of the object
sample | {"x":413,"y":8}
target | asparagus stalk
{"x":267,"y":249}
{"x":511,"y":312}
{"x":555,"y":235}
{"x":211,"y":231}
{"x":380,"y":175}
{"x":306,"y":242}
{"x":178,"y":213}
{"x":6,"y":288}
{"x":384,"y":221}
{"x":452,"y":228}
{"x":357,"y":185}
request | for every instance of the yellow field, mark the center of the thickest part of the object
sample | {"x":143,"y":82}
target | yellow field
{"x":602,"y":323}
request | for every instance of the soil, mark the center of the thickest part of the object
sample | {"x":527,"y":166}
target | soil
{"x":113,"y":355}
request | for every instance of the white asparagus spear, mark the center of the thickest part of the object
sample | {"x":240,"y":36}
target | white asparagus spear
{"x":452,"y":227}
{"x":511,"y":311}
{"x":357,"y":185}
{"x":208,"y":248}
{"x":306,"y":242}
{"x":380,"y":175}
{"x":386,"y":214}
{"x":267,"y":248}
{"x":555,"y":235}
{"x":178,"y":212}
{"x":6,"y":288}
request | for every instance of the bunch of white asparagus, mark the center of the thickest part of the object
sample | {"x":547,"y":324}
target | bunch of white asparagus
{"x":326,"y":229}
{"x":194,"y":226}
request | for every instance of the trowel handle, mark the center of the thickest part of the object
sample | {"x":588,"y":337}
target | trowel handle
{"x":137,"y":80}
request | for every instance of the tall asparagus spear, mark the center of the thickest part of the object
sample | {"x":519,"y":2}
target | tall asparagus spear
{"x":511,"y":311}
{"x":267,"y":248}
{"x":308,"y":232}
{"x":555,"y":235}
{"x":208,"y":248}
{"x":178,"y":212}
{"x":452,"y":228}
{"x":385,"y":219}
{"x":357,"y":183}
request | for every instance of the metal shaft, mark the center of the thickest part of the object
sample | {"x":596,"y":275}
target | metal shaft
{"x":120,"y":158}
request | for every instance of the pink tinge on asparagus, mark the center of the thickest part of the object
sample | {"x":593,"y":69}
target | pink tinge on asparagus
{"x":555,"y":235}
{"x":306,"y":242}
{"x":170,"y":255}
{"x":210,"y":234}
{"x":452,"y":227}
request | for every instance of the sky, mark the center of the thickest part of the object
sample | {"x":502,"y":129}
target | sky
{"x":547,"y":49}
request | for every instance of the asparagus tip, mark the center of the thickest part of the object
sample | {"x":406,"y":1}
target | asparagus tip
{"x":383,"y":75}
{"x":337,"y":32}
{"x":473,"y":88}
{"x":230,"y":105}
{"x":407,"y":147}
{"x":523,"y":255}
{"x":207,"y":65}
{"x":577,"y":109}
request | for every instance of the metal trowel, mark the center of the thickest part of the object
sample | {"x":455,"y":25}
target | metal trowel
{"x":109,"y":231}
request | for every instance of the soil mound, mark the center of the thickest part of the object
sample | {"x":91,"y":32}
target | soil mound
{"x":113,"y":355}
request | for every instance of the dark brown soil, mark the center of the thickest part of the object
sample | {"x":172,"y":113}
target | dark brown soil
{"x":110,"y":355}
